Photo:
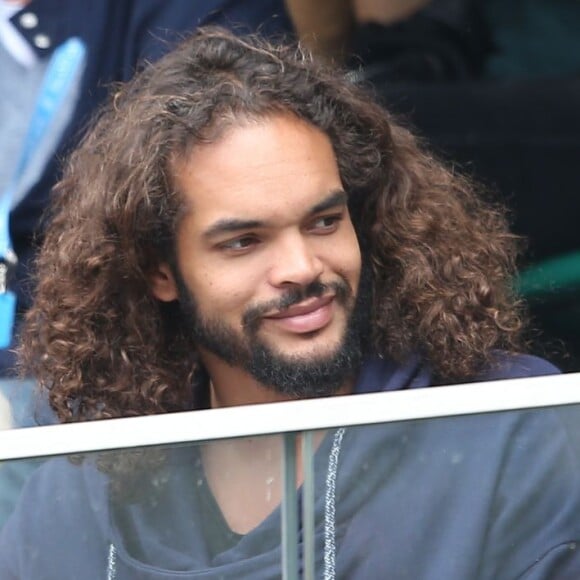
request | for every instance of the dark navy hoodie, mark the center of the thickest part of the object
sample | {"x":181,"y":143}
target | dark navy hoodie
{"x":491,"y":496}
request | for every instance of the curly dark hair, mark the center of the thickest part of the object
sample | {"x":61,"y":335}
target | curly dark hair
{"x":442,"y":259}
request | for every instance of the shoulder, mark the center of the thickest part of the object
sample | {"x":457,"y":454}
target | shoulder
{"x":378,"y":374}
{"x":505,"y":365}
{"x":59,"y":500}
{"x":58,"y":487}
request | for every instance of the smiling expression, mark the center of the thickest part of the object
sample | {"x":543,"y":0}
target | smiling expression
{"x":266,"y":250}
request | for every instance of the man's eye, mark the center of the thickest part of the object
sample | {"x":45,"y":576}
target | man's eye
{"x":239,"y":244}
{"x":327,"y":223}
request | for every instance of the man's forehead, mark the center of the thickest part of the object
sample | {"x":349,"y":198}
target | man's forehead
{"x":253,"y":166}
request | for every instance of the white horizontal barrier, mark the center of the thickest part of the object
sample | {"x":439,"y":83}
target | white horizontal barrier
{"x":291,"y":416}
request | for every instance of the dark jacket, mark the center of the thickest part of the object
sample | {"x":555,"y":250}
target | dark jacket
{"x":494,"y":496}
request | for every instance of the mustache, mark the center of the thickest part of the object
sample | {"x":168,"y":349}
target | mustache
{"x":252,"y":317}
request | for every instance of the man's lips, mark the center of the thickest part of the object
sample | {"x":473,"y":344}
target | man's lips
{"x":308,"y":316}
{"x":305,"y":307}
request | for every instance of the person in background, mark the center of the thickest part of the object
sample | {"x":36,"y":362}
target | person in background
{"x":326,"y":27}
{"x":444,"y":40}
{"x":58,"y":59}
{"x":396,"y":40}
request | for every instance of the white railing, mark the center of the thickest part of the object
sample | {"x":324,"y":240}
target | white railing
{"x":290,"y":417}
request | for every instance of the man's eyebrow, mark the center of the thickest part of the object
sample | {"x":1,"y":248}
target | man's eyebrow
{"x":229,"y":225}
{"x":336,"y":198}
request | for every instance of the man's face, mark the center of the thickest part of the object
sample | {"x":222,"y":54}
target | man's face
{"x":267,"y":257}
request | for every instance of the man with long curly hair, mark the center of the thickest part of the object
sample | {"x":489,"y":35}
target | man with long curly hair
{"x":243,"y":225}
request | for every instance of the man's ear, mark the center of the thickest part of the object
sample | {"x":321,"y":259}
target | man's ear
{"x":163,"y":285}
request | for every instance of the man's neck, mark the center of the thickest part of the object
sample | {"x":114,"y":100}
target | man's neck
{"x":245,"y":476}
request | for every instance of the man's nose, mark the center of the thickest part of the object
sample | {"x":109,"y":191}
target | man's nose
{"x":295,"y":262}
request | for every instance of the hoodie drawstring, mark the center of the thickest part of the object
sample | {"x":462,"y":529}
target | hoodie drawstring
{"x":112,"y":563}
{"x":330,"y":507}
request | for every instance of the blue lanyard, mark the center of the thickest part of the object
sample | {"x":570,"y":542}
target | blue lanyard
{"x":60,"y":73}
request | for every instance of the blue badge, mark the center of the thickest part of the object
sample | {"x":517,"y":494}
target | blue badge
{"x":7,"y":316}
{"x":7,"y":302}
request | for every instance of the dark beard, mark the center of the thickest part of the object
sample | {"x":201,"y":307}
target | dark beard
{"x":292,"y":376}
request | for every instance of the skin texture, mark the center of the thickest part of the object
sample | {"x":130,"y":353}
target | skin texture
{"x":266,"y":216}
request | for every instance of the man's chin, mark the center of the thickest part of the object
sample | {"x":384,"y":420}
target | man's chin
{"x":307,"y":372}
